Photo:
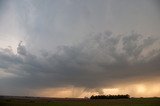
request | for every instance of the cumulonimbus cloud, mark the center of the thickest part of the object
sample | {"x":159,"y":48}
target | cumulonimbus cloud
{"x":100,"y":60}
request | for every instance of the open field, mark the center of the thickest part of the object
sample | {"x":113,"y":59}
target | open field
{"x":29,"y":101}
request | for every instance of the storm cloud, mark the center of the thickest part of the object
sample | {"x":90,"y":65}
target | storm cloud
{"x":89,"y":45}
{"x":101,"y":60}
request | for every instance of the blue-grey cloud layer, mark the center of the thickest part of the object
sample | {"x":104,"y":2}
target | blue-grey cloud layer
{"x":101,"y":60}
{"x":66,"y":43}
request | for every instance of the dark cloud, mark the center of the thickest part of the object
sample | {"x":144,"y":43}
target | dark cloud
{"x":21,"y":49}
{"x":100,"y":60}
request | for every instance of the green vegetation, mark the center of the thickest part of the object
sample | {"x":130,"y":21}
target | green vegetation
{"x":84,"y":102}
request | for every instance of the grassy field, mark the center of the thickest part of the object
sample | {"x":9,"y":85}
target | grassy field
{"x":81,"y":102}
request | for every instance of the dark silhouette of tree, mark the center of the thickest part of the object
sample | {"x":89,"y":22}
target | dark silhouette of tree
{"x":110,"y":97}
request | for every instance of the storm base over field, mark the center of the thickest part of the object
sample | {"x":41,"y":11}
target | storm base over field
{"x":78,"y":48}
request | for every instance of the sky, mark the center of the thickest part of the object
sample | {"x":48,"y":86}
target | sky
{"x":79,"y":48}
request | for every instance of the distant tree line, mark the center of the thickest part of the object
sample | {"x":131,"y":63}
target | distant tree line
{"x":110,"y":97}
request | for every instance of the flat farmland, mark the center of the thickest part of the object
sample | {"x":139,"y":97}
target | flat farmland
{"x":78,"y":102}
